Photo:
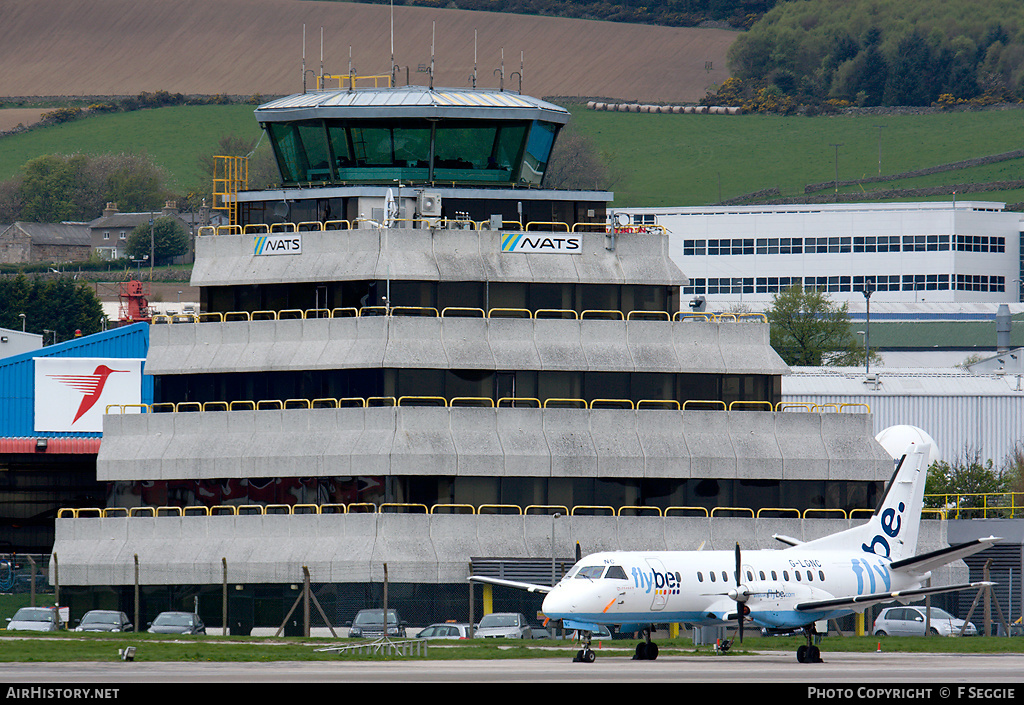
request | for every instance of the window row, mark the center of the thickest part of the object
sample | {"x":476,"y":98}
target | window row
{"x":824,"y":245}
{"x":833,"y":284}
{"x":725,"y":577}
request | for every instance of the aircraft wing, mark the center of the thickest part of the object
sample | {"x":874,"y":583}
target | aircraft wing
{"x":902,"y":596}
{"x":529,"y":587}
{"x":934,"y":559}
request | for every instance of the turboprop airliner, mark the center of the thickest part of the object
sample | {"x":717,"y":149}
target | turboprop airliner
{"x":781,"y":590}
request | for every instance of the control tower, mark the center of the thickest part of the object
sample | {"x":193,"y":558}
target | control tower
{"x":412,"y":354}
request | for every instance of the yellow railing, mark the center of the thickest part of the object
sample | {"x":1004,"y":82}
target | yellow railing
{"x":979,"y":505}
{"x":479,"y":402}
{"x":448,"y":312}
{"x":233,"y":177}
{"x":582,"y":510}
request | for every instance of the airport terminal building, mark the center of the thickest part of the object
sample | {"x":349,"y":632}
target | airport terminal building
{"x":413,"y":360}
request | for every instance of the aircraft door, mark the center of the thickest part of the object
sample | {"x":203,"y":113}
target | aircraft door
{"x":659,"y":588}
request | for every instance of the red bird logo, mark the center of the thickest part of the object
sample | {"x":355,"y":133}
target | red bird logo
{"x":89,"y":385}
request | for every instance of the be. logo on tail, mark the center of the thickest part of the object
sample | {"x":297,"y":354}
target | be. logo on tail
{"x":891,"y":524}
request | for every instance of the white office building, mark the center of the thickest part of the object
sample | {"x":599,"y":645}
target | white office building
{"x":963,"y":252}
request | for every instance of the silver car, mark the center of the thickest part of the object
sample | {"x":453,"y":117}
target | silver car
{"x":446,"y":630}
{"x":508,"y":625}
{"x":910,"y":621}
{"x":34,"y":619}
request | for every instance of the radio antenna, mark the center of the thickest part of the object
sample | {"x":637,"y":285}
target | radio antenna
{"x":392,"y":39}
{"x":321,"y":85}
{"x":474,"y":59}
{"x":303,"y":58}
{"x":433,"y":28}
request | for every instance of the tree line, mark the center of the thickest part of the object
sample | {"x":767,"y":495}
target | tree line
{"x":865,"y":53}
{"x":58,"y":305}
{"x":740,"y":14}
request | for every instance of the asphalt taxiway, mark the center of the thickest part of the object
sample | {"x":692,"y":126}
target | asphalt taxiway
{"x":866,"y":669}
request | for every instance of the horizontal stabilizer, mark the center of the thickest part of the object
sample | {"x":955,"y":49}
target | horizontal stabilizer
{"x":903,"y":596}
{"x":529,"y":587}
{"x":788,"y":540}
{"x":934,"y":559}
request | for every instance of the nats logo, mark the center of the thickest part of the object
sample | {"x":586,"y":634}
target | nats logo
{"x":72,"y":394}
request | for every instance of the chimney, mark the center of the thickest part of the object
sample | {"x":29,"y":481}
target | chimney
{"x":110,"y":210}
{"x":1003,"y":328}
{"x":170,"y":208}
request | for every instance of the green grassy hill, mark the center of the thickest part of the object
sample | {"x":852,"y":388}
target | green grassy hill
{"x":660,"y":160}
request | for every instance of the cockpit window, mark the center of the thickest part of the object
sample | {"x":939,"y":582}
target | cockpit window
{"x":591,"y":571}
{"x":615,"y":572}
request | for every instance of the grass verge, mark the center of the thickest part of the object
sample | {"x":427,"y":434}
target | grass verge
{"x":74,"y":646}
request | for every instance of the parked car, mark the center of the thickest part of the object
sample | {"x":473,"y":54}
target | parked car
{"x":370,"y":624}
{"x":507,"y":625}
{"x":34,"y":619}
{"x":447,"y":630}
{"x":104,"y":621}
{"x":177,"y":623}
{"x":910,"y":621}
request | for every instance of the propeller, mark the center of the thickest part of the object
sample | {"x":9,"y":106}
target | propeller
{"x":740,"y":593}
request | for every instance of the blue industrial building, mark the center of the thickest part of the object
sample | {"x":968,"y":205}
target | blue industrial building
{"x":44,"y":470}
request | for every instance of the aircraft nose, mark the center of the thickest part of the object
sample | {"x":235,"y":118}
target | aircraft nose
{"x":558,"y":602}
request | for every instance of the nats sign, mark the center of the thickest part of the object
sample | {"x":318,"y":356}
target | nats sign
{"x":72,"y":393}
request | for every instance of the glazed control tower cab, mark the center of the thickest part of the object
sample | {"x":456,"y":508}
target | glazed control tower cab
{"x":458,"y":154}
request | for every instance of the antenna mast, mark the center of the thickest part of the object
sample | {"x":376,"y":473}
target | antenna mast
{"x":433,"y":28}
{"x":303,"y":58}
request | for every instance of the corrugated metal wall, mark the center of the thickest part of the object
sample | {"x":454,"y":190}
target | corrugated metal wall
{"x":991,"y":425}
{"x":17,"y":375}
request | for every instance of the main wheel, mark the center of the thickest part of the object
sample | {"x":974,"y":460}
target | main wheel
{"x":589,"y":656}
{"x":801,"y":653}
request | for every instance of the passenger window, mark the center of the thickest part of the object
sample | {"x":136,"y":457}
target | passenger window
{"x":775,"y":575}
{"x":725,"y":577}
{"x":712,"y":574}
{"x":700,"y":577}
{"x":796,"y":574}
{"x":785,"y":575}
{"x":821,"y":575}
{"x":810,"y":577}
{"x":750,"y":576}
{"x":761,"y":573}
{"x":615,"y":572}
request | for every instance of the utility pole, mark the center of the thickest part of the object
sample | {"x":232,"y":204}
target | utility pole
{"x":837,"y":146}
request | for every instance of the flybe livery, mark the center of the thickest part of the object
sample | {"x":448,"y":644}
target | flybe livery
{"x":786,"y":589}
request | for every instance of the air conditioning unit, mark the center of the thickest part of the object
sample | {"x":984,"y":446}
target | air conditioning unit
{"x":429,"y":204}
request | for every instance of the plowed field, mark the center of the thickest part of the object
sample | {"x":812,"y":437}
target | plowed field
{"x":245,"y":47}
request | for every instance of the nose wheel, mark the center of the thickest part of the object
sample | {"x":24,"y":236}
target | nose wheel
{"x":586,"y":654}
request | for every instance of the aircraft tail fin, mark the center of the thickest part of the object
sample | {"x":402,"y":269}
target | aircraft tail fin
{"x":893,"y":529}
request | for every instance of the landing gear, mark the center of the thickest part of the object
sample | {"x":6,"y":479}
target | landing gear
{"x":809,"y":653}
{"x":646,"y":650}
{"x":586,"y":654}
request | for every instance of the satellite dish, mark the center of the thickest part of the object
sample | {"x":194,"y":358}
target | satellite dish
{"x":281,"y":211}
{"x":896,"y":440}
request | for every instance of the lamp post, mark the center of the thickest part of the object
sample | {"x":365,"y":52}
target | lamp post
{"x":867,"y":329}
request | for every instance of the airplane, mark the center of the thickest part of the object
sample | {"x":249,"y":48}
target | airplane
{"x":781,"y":590}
